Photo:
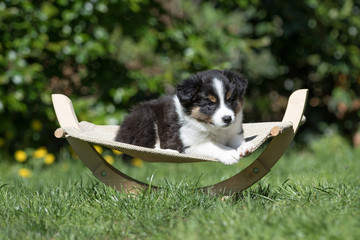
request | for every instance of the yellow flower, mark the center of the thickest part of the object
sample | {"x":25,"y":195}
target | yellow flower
{"x":20,"y":156}
{"x":40,"y":152}
{"x":49,"y":159}
{"x":24,"y":172}
{"x":98,"y":149}
{"x":116,"y":152}
{"x":36,"y":125}
{"x":109,"y":159}
{"x":137,"y":162}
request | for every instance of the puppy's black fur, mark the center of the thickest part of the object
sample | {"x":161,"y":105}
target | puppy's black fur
{"x":141,"y":123}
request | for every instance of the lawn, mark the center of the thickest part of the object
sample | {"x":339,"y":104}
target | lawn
{"x":312,"y":193}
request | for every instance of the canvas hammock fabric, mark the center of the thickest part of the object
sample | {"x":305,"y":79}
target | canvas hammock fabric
{"x":104,"y":135}
{"x":83,"y":135}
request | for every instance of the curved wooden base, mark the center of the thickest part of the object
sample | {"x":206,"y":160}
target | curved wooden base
{"x":113,"y":177}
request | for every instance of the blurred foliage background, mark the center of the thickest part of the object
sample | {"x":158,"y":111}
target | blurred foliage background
{"x":108,"y":55}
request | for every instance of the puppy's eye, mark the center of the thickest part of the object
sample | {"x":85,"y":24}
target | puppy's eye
{"x":232,"y":98}
{"x":210,"y":103}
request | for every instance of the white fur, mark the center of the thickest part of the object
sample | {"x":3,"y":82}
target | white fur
{"x":223,"y":110}
{"x":157,"y":142}
{"x":226,"y":144}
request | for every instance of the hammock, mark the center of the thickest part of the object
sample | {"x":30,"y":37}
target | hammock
{"x":82,"y":136}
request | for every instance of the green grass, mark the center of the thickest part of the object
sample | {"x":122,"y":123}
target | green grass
{"x":309,"y":194}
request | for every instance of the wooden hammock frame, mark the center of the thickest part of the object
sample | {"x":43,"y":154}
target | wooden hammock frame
{"x":113,"y":177}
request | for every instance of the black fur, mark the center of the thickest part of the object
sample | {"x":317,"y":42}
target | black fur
{"x":139,"y":128}
{"x":239,"y":80}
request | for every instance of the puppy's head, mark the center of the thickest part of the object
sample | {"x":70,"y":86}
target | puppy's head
{"x":213,"y":97}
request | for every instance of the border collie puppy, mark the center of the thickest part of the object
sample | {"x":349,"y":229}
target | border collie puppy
{"x":204,"y":117}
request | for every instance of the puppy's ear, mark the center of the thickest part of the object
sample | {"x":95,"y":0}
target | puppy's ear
{"x":240,"y":81}
{"x":187,"y":90}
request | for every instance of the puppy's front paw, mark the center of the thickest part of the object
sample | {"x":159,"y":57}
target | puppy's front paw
{"x":229,"y":157}
{"x":245,"y":149}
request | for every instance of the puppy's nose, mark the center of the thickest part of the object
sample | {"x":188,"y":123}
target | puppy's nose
{"x":227,"y":119}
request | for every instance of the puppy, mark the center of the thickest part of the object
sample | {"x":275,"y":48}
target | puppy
{"x":204,"y":117}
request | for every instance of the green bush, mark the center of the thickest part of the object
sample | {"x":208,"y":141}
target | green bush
{"x":109,"y":54}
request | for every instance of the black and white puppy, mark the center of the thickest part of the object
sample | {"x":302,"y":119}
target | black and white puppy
{"x":204,"y":117}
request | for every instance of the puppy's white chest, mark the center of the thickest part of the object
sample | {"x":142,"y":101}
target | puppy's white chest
{"x":193,"y":132}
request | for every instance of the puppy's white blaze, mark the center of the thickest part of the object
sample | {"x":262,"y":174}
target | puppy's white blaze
{"x":223,"y":110}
